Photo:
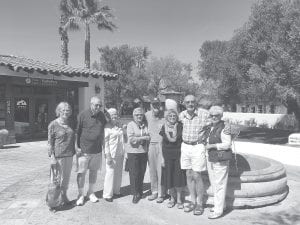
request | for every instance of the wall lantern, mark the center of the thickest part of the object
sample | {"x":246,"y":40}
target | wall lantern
{"x":97,"y":88}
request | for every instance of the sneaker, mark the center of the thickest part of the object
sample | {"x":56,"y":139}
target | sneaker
{"x":80,"y":200}
{"x":93,"y":198}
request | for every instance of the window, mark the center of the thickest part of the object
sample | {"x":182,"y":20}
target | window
{"x":253,"y":109}
{"x":21,"y":109}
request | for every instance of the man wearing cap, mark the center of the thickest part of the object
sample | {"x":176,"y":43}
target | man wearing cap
{"x":193,"y":153}
{"x":154,"y":119}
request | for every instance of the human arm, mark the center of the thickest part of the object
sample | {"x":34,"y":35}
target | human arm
{"x":224,"y":145}
{"x":107,"y":146}
{"x":78,"y":135}
{"x":133,"y":137}
{"x":51,"y":140}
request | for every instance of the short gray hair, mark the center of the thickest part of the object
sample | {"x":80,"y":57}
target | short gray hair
{"x":95,"y":98}
{"x":60,"y":106}
{"x":216,"y":109}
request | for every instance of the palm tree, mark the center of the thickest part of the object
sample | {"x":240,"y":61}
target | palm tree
{"x":84,"y":13}
{"x":65,"y":25}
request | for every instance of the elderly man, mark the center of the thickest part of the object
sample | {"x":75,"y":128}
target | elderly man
{"x":90,"y":140}
{"x":193,"y":153}
{"x":155,"y":120}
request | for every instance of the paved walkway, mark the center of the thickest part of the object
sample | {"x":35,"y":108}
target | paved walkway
{"x":23,"y":184}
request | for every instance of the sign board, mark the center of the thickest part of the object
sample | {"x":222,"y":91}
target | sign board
{"x":30,"y":81}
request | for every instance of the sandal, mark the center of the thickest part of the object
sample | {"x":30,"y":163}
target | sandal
{"x":171,"y":204}
{"x":160,"y":200}
{"x":198,"y":210}
{"x":190,"y":207}
{"x":180,"y":206}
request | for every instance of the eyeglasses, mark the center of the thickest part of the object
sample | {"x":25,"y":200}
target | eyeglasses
{"x":97,"y":105}
{"x":215,"y":115}
{"x":189,"y":101}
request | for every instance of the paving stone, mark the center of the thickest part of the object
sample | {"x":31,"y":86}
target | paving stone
{"x":13,"y":222}
{"x":29,"y":203}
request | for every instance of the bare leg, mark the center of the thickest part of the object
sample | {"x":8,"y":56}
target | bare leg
{"x":199,"y":187}
{"x":173,"y":194}
{"x":92,"y":180}
{"x":80,"y":183}
{"x":191,"y":185}
{"x":179,"y":194}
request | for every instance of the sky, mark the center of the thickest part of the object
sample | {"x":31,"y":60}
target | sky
{"x":167,"y":27}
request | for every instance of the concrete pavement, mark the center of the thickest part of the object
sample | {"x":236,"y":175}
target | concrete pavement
{"x":23,"y":185}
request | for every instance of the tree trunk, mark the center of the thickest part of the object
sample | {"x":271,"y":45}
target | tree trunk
{"x":64,"y":47}
{"x":87,"y":46}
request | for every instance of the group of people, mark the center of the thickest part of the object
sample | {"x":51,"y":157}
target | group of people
{"x":174,"y":145}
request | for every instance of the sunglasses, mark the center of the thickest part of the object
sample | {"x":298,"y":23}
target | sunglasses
{"x":215,"y":115}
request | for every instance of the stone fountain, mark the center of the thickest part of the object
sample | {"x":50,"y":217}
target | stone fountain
{"x":253,"y":181}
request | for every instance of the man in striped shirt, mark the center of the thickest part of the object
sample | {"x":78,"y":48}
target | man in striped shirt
{"x":193,"y":152}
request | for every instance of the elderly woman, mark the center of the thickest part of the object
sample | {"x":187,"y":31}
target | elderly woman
{"x":138,"y":139}
{"x":218,"y":138}
{"x":173,"y":177}
{"x":61,"y":140}
{"x":114,"y":156}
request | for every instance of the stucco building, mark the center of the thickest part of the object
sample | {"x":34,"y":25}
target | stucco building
{"x":30,"y":90}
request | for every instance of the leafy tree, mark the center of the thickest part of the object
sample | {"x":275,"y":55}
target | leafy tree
{"x":168,"y":73}
{"x":261,"y":61}
{"x":83,"y":13}
{"x":219,"y":74}
{"x":129,"y":63}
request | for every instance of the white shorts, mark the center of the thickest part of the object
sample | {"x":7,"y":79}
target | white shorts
{"x":193,"y":157}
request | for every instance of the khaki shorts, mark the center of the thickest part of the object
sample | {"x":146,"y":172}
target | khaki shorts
{"x":193,"y":157}
{"x":89,"y":162}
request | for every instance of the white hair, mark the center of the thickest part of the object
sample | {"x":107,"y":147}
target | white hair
{"x":112,"y":111}
{"x":94,"y":99}
{"x":215,"y":109}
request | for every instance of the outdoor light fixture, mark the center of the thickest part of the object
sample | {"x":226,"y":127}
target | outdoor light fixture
{"x":97,"y":88}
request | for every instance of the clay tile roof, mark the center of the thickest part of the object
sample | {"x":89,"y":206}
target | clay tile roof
{"x":17,"y":62}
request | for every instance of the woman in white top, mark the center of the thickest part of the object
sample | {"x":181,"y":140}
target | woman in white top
{"x":114,"y":156}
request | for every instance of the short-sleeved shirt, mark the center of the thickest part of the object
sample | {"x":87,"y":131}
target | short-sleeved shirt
{"x":192,"y":126}
{"x":90,"y":131}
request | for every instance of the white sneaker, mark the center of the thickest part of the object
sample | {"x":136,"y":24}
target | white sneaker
{"x":80,"y":200}
{"x":93,"y":198}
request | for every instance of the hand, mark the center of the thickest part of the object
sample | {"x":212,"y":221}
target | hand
{"x":163,"y":163}
{"x":147,"y":138}
{"x":109,"y":159}
{"x":78,"y":151}
{"x":209,"y":146}
{"x":53,"y":160}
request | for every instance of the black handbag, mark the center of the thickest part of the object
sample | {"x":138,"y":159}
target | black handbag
{"x":215,"y":155}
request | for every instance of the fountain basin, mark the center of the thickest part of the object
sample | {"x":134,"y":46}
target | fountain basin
{"x":253,"y":181}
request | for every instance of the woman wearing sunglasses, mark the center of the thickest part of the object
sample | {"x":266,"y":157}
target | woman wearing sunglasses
{"x":217,"y":138}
